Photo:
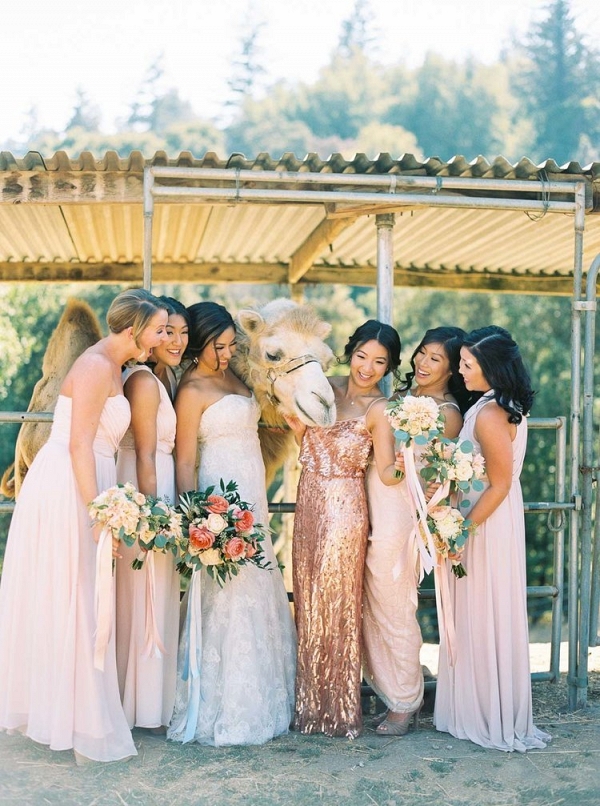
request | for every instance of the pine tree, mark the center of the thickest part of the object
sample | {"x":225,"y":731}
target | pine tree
{"x":558,"y":84}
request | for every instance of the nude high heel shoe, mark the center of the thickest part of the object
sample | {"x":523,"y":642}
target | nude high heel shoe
{"x":399,"y":727}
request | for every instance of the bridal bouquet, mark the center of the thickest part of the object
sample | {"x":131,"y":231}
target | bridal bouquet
{"x":454,"y":462}
{"x":160,"y":530}
{"x":219,"y":533}
{"x":120,"y":510}
{"x":450,"y":531}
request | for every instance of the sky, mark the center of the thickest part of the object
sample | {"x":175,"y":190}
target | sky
{"x":50,"y":48}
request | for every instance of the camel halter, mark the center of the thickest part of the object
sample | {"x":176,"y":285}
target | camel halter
{"x":285,"y":369}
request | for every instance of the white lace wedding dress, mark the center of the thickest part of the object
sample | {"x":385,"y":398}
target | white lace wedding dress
{"x":236,"y":664}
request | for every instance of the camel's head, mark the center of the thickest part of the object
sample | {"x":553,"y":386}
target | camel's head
{"x":286,"y":359}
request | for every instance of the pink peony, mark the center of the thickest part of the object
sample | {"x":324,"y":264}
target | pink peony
{"x":217,"y":504}
{"x":234,"y":549}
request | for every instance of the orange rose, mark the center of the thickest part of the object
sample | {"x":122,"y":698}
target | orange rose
{"x":217,"y":504}
{"x":244,"y":520}
{"x":251,"y":549}
{"x":201,"y":538}
{"x":234,"y":548}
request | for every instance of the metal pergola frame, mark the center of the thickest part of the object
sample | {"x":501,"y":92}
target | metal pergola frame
{"x":396,"y":192}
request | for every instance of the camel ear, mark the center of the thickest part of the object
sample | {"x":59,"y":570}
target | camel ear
{"x":323,"y":330}
{"x":251,"y":322}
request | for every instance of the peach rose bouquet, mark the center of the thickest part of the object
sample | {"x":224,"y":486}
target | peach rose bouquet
{"x":219,"y":533}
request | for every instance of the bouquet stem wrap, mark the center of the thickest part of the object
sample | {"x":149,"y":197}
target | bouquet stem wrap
{"x":103,"y":598}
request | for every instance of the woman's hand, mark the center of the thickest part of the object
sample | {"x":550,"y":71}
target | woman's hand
{"x":399,"y":465}
{"x":431,"y":488}
{"x":97,"y":531}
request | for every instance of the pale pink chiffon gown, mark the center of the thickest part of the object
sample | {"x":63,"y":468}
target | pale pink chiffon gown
{"x":391,"y":633}
{"x":147,"y":680}
{"x":50,"y":689}
{"x":486,"y":696}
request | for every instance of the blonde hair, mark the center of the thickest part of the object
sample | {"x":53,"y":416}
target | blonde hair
{"x":133,"y":308}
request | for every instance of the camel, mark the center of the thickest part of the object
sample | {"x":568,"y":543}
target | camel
{"x":77,"y":329}
{"x":281,"y":356}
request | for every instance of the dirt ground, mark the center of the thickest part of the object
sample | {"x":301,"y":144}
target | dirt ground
{"x":425,"y":767}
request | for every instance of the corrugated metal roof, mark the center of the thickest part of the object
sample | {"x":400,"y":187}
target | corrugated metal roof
{"x":63,"y":218}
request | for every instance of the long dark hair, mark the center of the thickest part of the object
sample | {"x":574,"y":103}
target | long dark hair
{"x":500,"y":360}
{"x":207,"y":321}
{"x":373,"y":330}
{"x":451,"y":338}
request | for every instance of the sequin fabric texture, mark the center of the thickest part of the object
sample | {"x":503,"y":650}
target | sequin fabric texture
{"x":330,"y":538}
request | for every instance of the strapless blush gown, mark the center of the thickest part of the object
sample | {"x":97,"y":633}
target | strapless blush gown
{"x":50,"y":689}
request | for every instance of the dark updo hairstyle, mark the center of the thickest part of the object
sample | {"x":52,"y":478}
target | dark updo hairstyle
{"x":173,"y":307}
{"x":207,"y":321}
{"x":373,"y":330}
{"x":500,"y":360}
{"x":451,"y":339}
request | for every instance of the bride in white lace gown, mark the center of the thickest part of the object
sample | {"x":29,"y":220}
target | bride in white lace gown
{"x":236,"y":666}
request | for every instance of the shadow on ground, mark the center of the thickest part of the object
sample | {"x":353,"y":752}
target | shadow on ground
{"x":425,"y":767}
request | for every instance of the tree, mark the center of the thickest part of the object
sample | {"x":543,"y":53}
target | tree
{"x":357,"y":30}
{"x":247,"y":69}
{"x":558,"y":83}
{"x":155,"y":107}
{"x":452,"y":109}
{"x":86,"y":116}
{"x":349,"y":94}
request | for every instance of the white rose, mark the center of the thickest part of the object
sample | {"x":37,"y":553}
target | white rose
{"x":211,"y":557}
{"x":464,"y":471}
{"x":216,"y":523}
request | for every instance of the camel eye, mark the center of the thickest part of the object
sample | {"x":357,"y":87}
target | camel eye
{"x":273,"y":356}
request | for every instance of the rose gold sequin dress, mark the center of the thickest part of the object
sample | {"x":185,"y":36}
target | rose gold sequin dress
{"x":330,"y":539}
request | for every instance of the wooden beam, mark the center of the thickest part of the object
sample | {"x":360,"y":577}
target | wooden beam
{"x":201,"y":273}
{"x":319,"y":239}
{"x":262,"y":273}
{"x":71,"y":187}
{"x":561,"y":285}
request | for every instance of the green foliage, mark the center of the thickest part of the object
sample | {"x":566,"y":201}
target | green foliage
{"x":557,"y":85}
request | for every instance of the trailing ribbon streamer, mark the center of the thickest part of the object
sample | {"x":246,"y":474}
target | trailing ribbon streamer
{"x":103,"y":597}
{"x":154,"y":646}
{"x":192,"y":659}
